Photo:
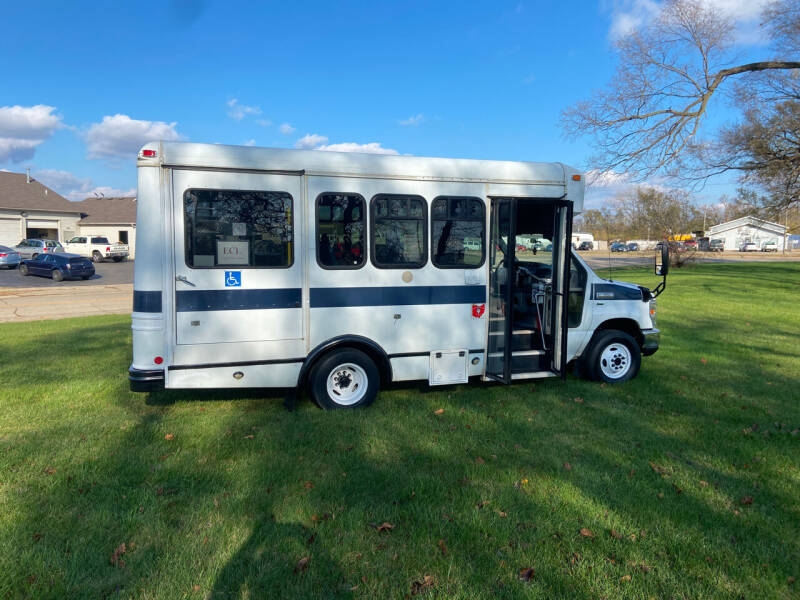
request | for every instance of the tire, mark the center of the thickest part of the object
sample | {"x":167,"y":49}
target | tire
{"x":614,"y":357}
{"x":57,"y":275}
{"x":97,"y":257}
{"x":23,"y":270}
{"x":346,"y":379}
{"x":85,"y":277}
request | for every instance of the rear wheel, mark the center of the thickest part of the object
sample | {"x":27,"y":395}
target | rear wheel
{"x":614,"y":357}
{"x":57,"y":275}
{"x":345,"y":378}
{"x":117,"y":258}
{"x":96,"y":256}
{"x":23,"y":269}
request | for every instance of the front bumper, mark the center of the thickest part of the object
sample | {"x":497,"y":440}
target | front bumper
{"x":651,"y":339}
{"x":146,"y":380}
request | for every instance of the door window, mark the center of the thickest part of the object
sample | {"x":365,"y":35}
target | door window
{"x":237,"y":228}
{"x":577,"y":293}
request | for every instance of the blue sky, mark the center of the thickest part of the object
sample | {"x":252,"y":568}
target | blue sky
{"x":84,"y":84}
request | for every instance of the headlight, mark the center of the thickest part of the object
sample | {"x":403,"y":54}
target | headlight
{"x":653,"y":311}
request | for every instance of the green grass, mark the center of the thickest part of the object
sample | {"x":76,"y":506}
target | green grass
{"x":244,"y":490}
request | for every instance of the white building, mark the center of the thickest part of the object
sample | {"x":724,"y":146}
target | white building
{"x":744,"y":230}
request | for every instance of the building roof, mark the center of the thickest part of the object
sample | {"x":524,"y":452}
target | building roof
{"x":107,"y":211}
{"x":747,"y":222}
{"x":16,"y":193}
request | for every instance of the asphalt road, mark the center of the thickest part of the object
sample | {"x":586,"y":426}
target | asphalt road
{"x":106,"y":273}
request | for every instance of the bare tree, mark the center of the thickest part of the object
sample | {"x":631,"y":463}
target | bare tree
{"x":648,"y":118}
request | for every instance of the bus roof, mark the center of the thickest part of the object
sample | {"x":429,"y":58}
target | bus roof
{"x":316,"y":162}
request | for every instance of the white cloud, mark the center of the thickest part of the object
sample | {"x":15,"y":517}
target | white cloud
{"x":371,"y":148}
{"x":23,"y":128}
{"x":310,"y":140}
{"x":73,"y":187}
{"x":413,"y":121}
{"x":122,"y":136}
{"x":628,"y":15}
{"x":286,"y":129}
{"x":249,"y":143}
{"x":240,"y":111}
{"x":263,"y":122}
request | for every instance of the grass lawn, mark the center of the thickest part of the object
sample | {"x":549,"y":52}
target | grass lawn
{"x":684,"y":483}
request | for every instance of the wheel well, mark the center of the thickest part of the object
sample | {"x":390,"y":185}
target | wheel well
{"x":629,"y":326}
{"x":365,"y":345}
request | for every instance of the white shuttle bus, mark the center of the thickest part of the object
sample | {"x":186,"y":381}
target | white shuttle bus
{"x":337,"y":273}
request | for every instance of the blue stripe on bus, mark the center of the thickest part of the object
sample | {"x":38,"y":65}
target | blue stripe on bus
{"x":201,"y":300}
{"x":397,"y":296}
{"x":244,"y":299}
{"x":148,"y":302}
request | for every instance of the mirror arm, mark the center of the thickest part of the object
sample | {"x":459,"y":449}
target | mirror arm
{"x":659,"y":288}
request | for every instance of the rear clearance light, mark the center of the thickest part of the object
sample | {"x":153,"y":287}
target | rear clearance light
{"x":149,"y":154}
{"x":576,"y":178}
{"x":158,"y":360}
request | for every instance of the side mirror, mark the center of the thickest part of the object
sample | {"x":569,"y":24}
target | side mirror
{"x":662,"y":262}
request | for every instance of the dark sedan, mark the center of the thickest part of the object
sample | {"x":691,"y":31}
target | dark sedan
{"x":58,"y":266}
{"x":619,"y":247}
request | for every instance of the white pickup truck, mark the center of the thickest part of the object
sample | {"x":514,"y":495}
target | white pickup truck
{"x":97,"y":248}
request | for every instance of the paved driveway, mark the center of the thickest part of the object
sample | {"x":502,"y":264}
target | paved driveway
{"x":106,"y":273}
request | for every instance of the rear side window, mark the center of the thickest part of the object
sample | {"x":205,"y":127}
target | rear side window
{"x":399,"y":232}
{"x":457,"y":232}
{"x":236,"y":228}
{"x":99,"y":240}
{"x":340,"y":231}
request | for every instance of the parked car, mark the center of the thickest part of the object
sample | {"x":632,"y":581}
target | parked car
{"x":586,"y":246}
{"x":97,"y":248}
{"x":748,"y":247}
{"x":619,"y":247}
{"x":58,"y":266}
{"x":690,"y":244}
{"x":716,"y":245}
{"x":9,"y":258}
{"x":31,"y":248}
{"x":633,"y":247}
{"x":520,"y":248}
{"x":771,"y":246}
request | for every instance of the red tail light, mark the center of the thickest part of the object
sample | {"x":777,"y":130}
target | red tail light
{"x":108,"y":249}
{"x":3,"y":255}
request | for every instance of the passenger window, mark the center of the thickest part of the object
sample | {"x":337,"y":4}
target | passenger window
{"x":577,"y":292}
{"x":340,"y":231}
{"x":235,"y":228}
{"x":399,"y":239}
{"x":457,"y":232}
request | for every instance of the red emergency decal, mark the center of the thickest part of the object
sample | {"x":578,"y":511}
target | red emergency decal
{"x":478,"y":310}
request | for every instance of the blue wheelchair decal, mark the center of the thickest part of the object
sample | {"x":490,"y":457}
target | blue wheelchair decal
{"x":233,"y":279}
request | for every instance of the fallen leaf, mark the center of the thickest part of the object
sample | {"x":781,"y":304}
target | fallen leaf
{"x":658,"y":468}
{"x":616,"y":535}
{"x":322,"y":517}
{"x":483,"y":503}
{"x":625,"y":578}
{"x":50,"y":471}
{"x":385,"y":526}
{"x":439,"y":411}
{"x":790,"y":580}
{"x":502,"y":514}
{"x":116,"y":556}
{"x":301,"y":565}
{"x":527,"y":574}
{"x":567,"y":466}
{"x":703,"y":360}
{"x":308,"y":485}
{"x":746,"y":501}
{"x":169,"y":436}
{"x":677,"y":489}
{"x":37,"y":537}
{"x":442,"y":547}
{"x":479,"y":461}
{"x":586,"y":532}
{"x":578,"y":400}
{"x":249,"y":437}
{"x":703,"y":483}
{"x":418,"y":587}
{"x":196,"y":588}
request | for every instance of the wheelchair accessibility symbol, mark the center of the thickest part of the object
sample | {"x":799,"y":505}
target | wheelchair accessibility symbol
{"x":233,"y":279}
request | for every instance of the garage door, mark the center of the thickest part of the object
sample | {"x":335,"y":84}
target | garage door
{"x":9,"y":232}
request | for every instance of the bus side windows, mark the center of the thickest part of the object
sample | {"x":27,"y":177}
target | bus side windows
{"x":238,"y":228}
{"x":399,"y":231}
{"x":340,"y":231}
{"x":457,"y":232}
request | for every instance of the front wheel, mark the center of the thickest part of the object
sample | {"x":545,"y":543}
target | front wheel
{"x":346,"y":378}
{"x":614,"y":357}
{"x":57,"y":275}
{"x":23,"y":270}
